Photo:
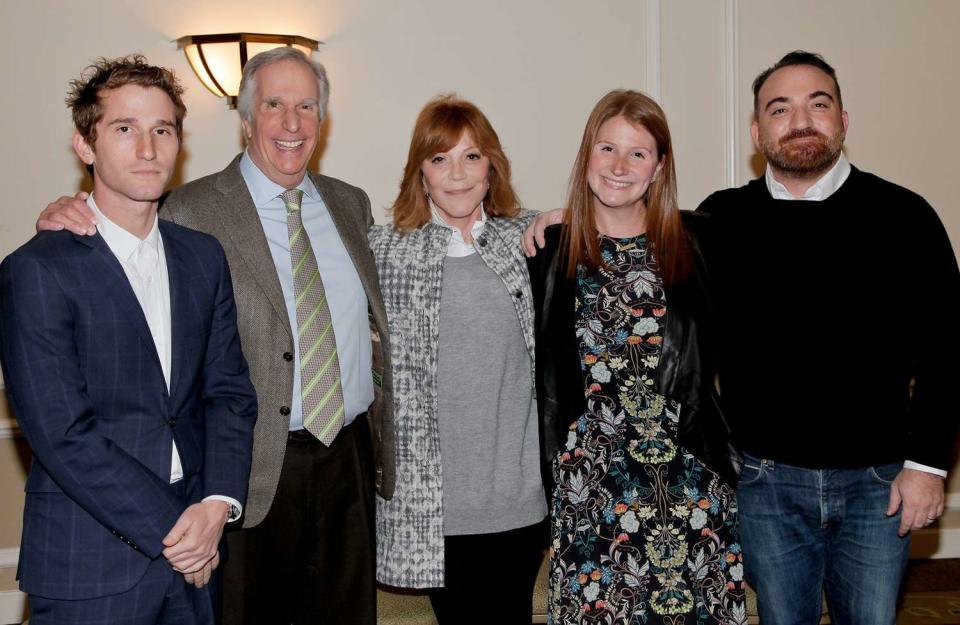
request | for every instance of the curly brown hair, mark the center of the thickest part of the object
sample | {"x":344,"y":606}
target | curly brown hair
{"x":84,"y":96}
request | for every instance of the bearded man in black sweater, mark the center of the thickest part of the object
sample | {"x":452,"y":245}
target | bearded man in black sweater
{"x":838,"y":296}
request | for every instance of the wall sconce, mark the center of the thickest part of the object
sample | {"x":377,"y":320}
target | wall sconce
{"x":218,"y":60}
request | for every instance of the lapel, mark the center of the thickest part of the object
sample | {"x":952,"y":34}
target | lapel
{"x":242,"y":225}
{"x":357,"y":243}
{"x":180,"y":313}
{"x":116,"y":287}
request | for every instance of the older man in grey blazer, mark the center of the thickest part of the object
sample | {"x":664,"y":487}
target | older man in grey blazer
{"x":314,"y":331}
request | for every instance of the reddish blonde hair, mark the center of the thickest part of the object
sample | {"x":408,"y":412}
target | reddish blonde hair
{"x":665,"y":232}
{"x":439,"y":127}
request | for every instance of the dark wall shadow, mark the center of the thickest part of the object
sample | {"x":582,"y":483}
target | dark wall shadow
{"x":177,"y":178}
{"x":758,"y":164}
{"x":82,"y":181}
{"x":322,"y":142}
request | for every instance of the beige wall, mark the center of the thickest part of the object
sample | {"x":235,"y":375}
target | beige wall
{"x":14,"y":461}
{"x":535,"y":67}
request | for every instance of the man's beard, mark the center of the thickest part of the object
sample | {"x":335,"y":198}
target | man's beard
{"x":804,"y":158}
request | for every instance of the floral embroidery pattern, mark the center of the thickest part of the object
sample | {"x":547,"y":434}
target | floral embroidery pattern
{"x":642,"y":532}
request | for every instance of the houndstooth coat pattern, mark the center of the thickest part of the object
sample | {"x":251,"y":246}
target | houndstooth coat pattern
{"x":410,"y":264}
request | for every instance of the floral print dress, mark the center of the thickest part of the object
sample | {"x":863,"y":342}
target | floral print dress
{"x":642,"y":532}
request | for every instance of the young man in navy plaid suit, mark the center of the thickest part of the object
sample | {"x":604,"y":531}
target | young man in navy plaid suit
{"x":123,"y":365}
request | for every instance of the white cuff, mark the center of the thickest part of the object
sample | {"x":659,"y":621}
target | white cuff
{"x":907,"y":464}
{"x":235,"y":508}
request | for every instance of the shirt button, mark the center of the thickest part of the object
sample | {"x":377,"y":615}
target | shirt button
{"x":482,"y":242}
{"x":171,"y":422}
{"x":285,"y":411}
{"x":287,"y":356}
{"x":518,"y":294}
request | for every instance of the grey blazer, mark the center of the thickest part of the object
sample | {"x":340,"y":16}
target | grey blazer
{"x":220,"y":204}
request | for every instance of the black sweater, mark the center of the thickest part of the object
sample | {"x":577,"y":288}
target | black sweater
{"x":827,"y":311}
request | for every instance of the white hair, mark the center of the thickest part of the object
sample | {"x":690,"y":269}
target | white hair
{"x":248,"y":84}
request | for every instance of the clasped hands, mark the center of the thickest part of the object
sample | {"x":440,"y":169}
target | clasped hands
{"x":191,"y":544}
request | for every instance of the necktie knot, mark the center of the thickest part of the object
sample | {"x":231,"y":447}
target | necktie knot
{"x":291,"y":199}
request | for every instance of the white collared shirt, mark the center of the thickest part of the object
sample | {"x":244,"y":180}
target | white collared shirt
{"x":823,"y":188}
{"x":458,"y":246}
{"x":145,"y":265}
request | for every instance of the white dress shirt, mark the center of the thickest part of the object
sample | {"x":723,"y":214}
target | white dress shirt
{"x":145,"y":265}
{"x":823,"y":188}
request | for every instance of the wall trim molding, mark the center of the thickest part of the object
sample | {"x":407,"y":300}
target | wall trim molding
{"x":9,"y":557}
{"x":653,"y":53}
{"x":13,"y":606}
{"x":731,"y":76}
{"x":13,"y":603}
{"x":9,"y":428}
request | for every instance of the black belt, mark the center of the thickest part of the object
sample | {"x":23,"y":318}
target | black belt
{"x":304,"y":435}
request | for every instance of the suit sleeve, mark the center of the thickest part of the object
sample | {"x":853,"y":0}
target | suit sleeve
{"x":47,"y":390}
{"x":229,"y":399}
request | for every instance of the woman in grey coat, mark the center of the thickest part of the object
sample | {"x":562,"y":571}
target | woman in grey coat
{"x":467,"y":519}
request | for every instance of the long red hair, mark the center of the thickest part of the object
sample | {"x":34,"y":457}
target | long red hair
{"x":439,"y":127}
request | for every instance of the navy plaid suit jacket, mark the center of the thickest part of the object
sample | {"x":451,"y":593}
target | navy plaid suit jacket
{"x":85,"y":382}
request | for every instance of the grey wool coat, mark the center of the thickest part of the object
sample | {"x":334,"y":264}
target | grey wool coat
{"x":220,"y":204}
{"x":410,"y":525}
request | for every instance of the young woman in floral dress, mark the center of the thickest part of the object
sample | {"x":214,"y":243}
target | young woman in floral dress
{"x":643,"y":514}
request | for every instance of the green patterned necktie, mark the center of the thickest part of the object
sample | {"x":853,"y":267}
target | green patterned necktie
{"x":319,"y":365}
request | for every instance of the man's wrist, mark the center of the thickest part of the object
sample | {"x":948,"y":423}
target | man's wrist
{"x":232,"y":506}
{"x":916,"y":466}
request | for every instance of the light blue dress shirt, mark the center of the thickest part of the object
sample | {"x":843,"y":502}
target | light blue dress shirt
{"x":345,"y":295}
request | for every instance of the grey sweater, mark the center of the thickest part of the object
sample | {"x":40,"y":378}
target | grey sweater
{"x":487,"y":412}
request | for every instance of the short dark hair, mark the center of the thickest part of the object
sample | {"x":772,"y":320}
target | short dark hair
{"x":84,"y":97}
{"x":797,"y":57}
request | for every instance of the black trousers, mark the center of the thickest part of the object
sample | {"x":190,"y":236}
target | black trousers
{"x":311,"y":560}
{"x":489,"y":578}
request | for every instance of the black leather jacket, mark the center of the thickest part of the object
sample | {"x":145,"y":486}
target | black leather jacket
{"x":685,"y":372}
